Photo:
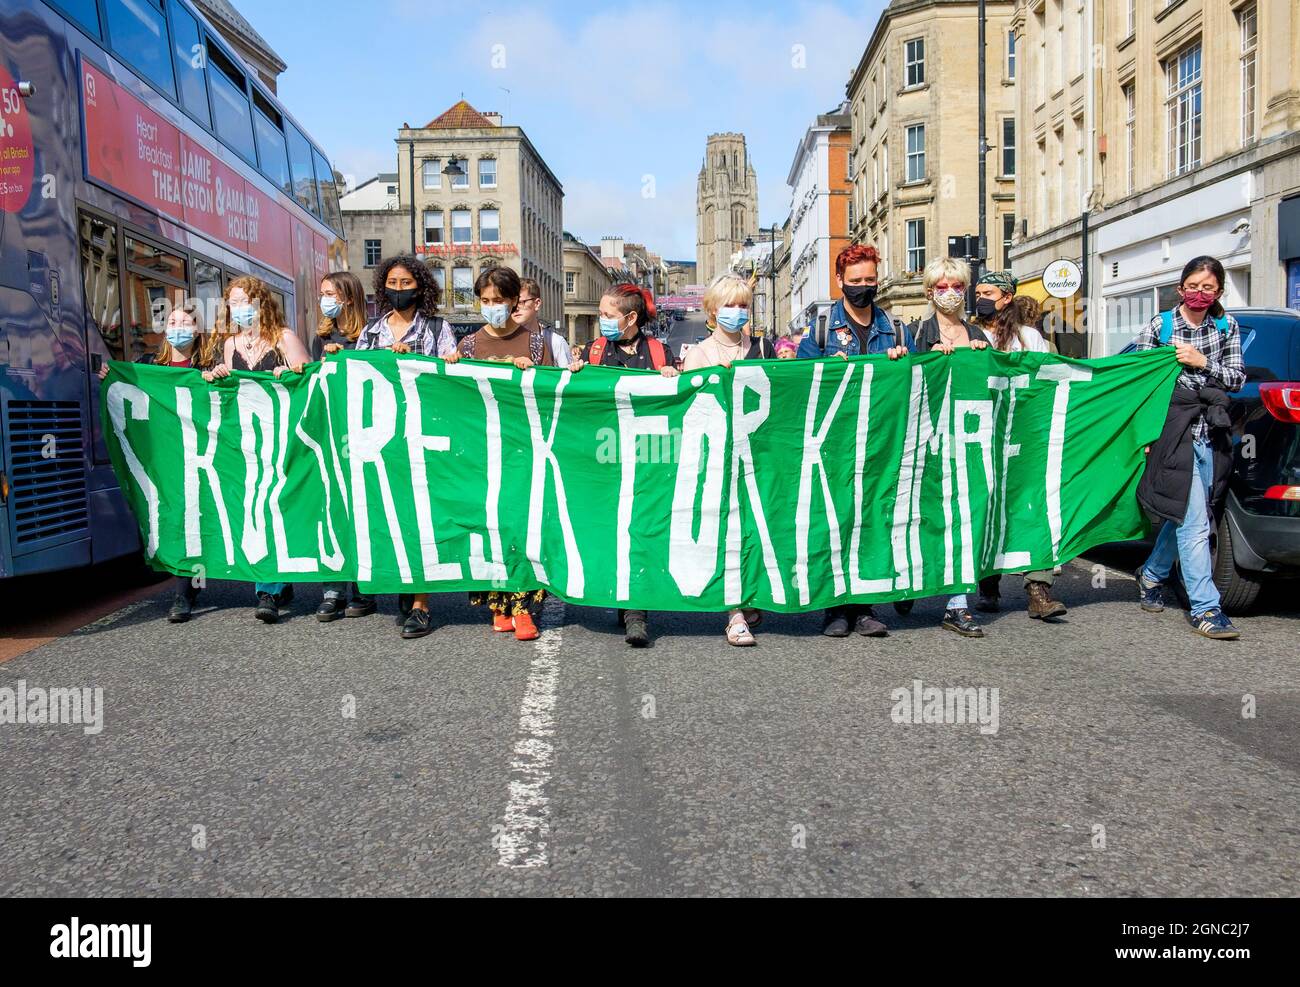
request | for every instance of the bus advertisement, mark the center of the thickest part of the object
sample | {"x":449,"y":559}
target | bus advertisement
{"x":143,"y":164}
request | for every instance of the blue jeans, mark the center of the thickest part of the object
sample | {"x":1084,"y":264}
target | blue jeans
{"x":1189,"y":542}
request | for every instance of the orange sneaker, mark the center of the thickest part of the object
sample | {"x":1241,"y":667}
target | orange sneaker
{"x":502,"y":624}
{"x":525,"y":629}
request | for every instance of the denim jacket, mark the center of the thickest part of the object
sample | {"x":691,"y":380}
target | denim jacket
{"x":883,"y":335}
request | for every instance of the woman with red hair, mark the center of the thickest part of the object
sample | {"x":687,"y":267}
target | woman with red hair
{"x":625,"y":310}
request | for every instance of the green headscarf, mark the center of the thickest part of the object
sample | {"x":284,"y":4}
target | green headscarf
{"x":1003,"y":280}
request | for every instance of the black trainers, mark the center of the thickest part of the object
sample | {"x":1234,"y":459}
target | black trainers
{"x":404,"y":603}
{"x":962,"y":622}
{"x":360,"y":608}
{"x":182,"y":607}
{"x":1214,"y":624}
{"x":1151,"y":596}
{"x":285,"y":596}
{"x":331,"y":608}
{"x":267,"y":612}
{"x":836,"y":623}
{"x":635,"y":631}
{"x":868,"y":626}
{"x":418,"y":623}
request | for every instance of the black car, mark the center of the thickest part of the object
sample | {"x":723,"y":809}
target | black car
{"x":1257,"y":536}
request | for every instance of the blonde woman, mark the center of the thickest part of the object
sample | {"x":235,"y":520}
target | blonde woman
{"x":726,"y":312}
{"x":945,"y":330}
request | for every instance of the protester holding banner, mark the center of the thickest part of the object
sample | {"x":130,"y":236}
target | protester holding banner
{"x":856,"y":325}
{"x":945,"y":280}
{"x":343,"y":319}
{"x":259,"y":339}
{"x":625,"y":311}
{"x":1188,"y":466}
{"x":181,"y":344}
{"x":999,"y":315}
{"x":408,"y":321}
{"x":528,"y":314}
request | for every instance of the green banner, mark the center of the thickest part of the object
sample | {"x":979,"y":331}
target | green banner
{"x":784,"y":485}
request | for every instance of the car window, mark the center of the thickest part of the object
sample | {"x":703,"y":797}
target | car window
{"x":1268,"y":344}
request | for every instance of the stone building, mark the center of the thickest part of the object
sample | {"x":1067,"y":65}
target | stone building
{"x":914,"y":102}
{"x":585,"y":280}
{"x":821,"y":189}
{"x":1180,"y":138}
{"x":726,"y":204}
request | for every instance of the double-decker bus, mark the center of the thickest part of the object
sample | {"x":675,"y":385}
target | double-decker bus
{"x":142,"y":162}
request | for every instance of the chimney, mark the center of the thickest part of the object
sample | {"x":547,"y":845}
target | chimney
{"x":494,"y":116}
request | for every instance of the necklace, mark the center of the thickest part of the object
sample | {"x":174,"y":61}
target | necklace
{"x":737,"y":346}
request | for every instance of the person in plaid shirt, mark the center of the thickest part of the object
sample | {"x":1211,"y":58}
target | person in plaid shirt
{"x":1208,"y":345}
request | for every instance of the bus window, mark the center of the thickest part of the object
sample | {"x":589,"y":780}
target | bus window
{"x":189,"y":64}
{"x":155,"y":284}
{"x":329,"y":193}
{"x":304,"y":182}
{"x":83,"y":12}
{"x":284,"y":307}
{"x":230,"y":108}
{"x":99,"y":274}
{"x":138,"y":34}
{"x":207,"y":292}
{"x":270,"y":143}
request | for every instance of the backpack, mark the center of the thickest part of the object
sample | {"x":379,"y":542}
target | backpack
{"x":1167,"y":326}
{"x":658,"y":358}
{"x":536,"y":346}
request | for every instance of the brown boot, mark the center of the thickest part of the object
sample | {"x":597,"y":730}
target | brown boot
{"x":1041,"y":604}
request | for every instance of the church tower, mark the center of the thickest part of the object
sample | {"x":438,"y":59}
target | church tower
{"x":726,"y":204}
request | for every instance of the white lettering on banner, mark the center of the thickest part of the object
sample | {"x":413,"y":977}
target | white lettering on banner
{"x":630,"y":427}
{"x":119,"y":396}
{"x":1002,"y":559}
{"x":366,"y":446}
{"x":743,"y":425}
{"x":856,"y":583}
{"x":327,"y":369}
{"x":692,"y":561}
{"x":285,"y":561}
{"x":544,"y":456}
{"x":1064,"y":374}
{"x":938,"y":440}
{"x":195,"y":462}
{"x":256,"y":414}
{"x":332,"y":558}
{"x":903,"y":493}
{"x":924,"y":435}
{"x":418,"y":446}
{"x":814,"y":434}
{"x":983,"y":437}
{"x":480,"y":566}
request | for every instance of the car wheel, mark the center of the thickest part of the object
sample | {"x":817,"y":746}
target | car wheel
{"x":1237,"y":591}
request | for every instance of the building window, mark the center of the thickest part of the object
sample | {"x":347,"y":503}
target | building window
{"x":1008,"y":146}
{"x":462,"y":287}
{"x":914,"y":62}
{"x":487,"y":172}
{"x":916,"y":152}
{"x":392,"y":189}
{"x":374,"y":253}
{"x":916,"y":244}
{"x":1008,"y":234}
{"x":461,"y":180}
{"x":1249,"y":39}
{"x":875,"y":178}
{"x":1131,"y":21}
{"x":884,"y":166}
{"x":439,"y":278}
{"x":489,"y":226}
{"x":570,"y":282}
{"x":1183,"y":107}
{"x":1011,"y":54}
{"x":460,"y":226}
{"x":433,"y":227}
{"x":1130,"y":136}
{"x":431,"y":173}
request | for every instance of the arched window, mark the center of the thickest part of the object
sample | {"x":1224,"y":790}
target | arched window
{"x":735,"y":167}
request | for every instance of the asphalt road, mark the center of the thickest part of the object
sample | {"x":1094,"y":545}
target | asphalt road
{"x":477,"y":765}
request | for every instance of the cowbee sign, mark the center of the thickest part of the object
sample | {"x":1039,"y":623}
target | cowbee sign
{"x":1062,"y":278}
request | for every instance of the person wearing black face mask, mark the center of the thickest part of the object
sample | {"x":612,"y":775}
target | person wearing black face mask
{"x":856,"y":325}
{"x":408,"y":322}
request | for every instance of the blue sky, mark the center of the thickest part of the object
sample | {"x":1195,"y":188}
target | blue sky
{"x":608,"y":94}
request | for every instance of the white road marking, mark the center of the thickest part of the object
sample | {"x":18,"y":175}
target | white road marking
{"x":526,"y":836}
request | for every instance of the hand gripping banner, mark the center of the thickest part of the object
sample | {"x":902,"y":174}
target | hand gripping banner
{"x":783,"y":484}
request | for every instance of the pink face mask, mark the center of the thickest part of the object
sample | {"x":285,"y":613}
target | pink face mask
{"x":1198,"y":300}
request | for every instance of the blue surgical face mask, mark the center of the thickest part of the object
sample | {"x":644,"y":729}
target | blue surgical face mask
{"x":496,"y":315}
{"x":243,"y":315}
{"x":180,"y":336}
{"x":330,"y":307}
{"x":611,"y":328}
{"x":733,"y":318}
